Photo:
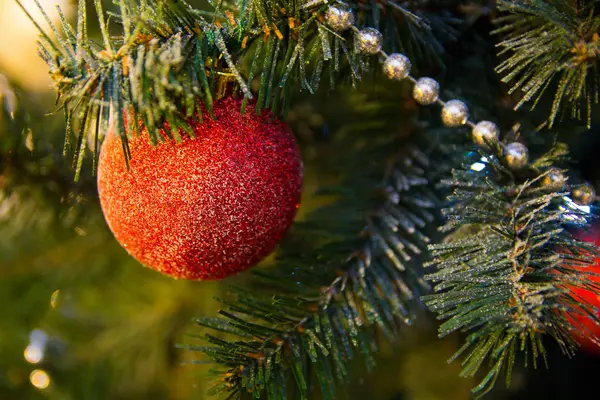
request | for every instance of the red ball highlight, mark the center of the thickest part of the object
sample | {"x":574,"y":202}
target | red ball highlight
{"x":210,"y":206}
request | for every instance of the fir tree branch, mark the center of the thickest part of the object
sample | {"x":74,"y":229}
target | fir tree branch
{"x":416,"y":28}
{"x":314,"y":313}
{"x":552,"y":44}
{"x":170,"y":57}
{"x":509,"y":279}
{"x":34,"y":187}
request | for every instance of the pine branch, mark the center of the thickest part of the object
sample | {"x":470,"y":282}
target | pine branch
{"x":419,"y":29}
{"x":331,"y":290}
{"x":156,"y":68}
{"x":34,"y":187}
{"x":552,"y":44}
{"x":170,"y":57}
{"x":509,"y":279}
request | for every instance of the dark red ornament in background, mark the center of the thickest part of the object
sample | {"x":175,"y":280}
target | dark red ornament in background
{"x":207,"y":207}
{"x":591,"y":235}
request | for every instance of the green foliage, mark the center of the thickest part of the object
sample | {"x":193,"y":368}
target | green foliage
{"x":334,"y":286}
{"x":171,"y":59}
{"x":31,"y":171}
{"x":350,"y":271}
{"x":508,"y":276}
{"x":110,"y":324}
{"x":552,"y":46}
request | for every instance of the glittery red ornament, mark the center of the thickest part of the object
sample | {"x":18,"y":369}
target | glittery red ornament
{"x":591,"y":328}
{"x":210,"y":206}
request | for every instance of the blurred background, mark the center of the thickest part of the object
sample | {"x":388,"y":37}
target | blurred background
{"x":80,"y":319}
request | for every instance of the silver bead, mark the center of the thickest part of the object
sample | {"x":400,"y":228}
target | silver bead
{"x":485,"y":132}
{"x":369,"y":41}
{"x":516,"y":155}
{"x":397,"y":66}
{"x":584,"y":194}
{"x":426,"y":91}
{"x":554,"y":178}
{"x":455,"y":113}
{"x":339,"y":17}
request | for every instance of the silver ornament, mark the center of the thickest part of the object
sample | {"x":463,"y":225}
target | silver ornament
{"x":455,"y":113}
{"x":426,"y":91}
{"x":516,"y":155}
{"x":369,"y":41}
{"x":339,"y":17}
{"x":485,"y":132}
{"x":397,"y":66}
{"x":584,"y":194}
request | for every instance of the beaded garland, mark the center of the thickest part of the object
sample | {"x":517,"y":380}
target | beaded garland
{"x":455,"y":113}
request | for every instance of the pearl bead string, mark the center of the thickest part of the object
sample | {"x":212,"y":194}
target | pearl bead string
{"x":397,"y":66}
{"x":426,"y":91}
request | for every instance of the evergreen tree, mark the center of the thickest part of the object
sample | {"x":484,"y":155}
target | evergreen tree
{"x":432,"y":201}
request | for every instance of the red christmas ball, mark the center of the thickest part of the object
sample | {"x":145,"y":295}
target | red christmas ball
{"x":210,"y":206}
{"x":590,"y":327}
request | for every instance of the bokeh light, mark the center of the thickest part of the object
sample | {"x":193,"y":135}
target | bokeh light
{"x":18,"y":47}
{"x":39,"y":378}
{"x":33,"y":353}
{"x":54,"y":298}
